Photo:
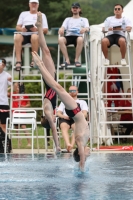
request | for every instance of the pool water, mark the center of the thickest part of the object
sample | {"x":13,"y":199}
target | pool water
{"x":107,"y":177}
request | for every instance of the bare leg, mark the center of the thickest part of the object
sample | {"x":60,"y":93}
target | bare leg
{"x":82,"y":154}
{"x":105,"y":44}
{"x":73,"y":140}
{"x":34,"y":42}
{"x":48,"y":61}
{"x":49,"y":115}
{"x":3,"y":126}
{"x":46,"y":56}
{"x":62,"y":43}
{"x":48,"y":110}
{"x":79,"y":48}
{"x":18,"y":39}
{"x":122,"y":44}
{"x":54,"y":131}
{"x":64,"y":129}
{"x":64,"y":96}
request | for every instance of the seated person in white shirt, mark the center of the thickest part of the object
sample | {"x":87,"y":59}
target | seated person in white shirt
{"x":65,"y":122}
{"x":26,"y":20}
{"x":115,"y":25}
{"x":74,"y":26}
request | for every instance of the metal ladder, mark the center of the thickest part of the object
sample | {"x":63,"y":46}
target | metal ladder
{"x":25,"y":76}
{"x":77,"y":75}
{"x":103,"y":128}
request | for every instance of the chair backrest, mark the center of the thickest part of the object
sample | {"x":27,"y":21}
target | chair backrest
{"x":24,"y":117}
{"x":1,"y":31}
{"x":8,"y":31}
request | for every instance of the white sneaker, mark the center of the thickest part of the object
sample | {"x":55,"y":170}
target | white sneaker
{"x":106,"y":63}
{"x":123,"y":62}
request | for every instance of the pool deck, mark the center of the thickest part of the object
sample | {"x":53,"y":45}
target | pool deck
{"x":43,"y":151}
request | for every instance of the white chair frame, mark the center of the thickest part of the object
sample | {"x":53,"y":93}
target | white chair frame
{"x":22,"y":117}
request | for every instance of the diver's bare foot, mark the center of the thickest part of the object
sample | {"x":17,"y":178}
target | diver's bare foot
{"x":39,"y":20}
{"x":69,"y":148}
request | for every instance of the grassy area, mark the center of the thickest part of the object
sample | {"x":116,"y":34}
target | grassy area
{"x":15,"y":144}
{"x":50,"y":146}
{"x":62,"y":143}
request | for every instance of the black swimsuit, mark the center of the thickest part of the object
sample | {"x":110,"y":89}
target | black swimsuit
{"x":51,"y":95}
{"x":72,"y":113}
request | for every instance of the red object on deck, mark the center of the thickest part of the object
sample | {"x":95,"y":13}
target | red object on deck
{"x":116,"y":148}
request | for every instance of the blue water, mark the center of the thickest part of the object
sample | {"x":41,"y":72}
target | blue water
{"x":107,"y":177}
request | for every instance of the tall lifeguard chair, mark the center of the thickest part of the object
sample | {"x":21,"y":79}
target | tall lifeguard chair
{"x":103,"y":109}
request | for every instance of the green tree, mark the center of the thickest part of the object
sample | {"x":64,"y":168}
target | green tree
{"x":57,"y":10}
{"x":11,"y":10}
{"x":97,"y":10}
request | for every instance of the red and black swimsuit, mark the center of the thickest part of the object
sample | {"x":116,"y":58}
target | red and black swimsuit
{"x":51,"y":95}
{"x":72,"y":113}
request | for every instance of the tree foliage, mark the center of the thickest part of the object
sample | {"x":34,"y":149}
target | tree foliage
{"x":97,"y":10}
{"x":54,"y":10}
{"x":57,"y":10}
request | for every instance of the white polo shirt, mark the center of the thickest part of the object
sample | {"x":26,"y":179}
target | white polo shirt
{"x":26,"y":18}
{"x":113,"y":22}
{"x":4,"y":83}
{"x":83,"y":106}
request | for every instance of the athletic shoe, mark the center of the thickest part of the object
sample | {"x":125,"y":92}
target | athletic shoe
{"x":123,"y":62}
{"x":106,"y":63}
